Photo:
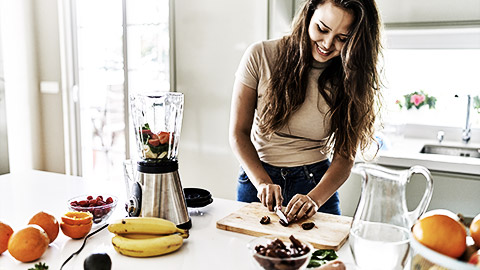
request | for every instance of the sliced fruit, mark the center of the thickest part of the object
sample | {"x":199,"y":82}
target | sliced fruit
{"x":154,"y":142}
{"x":164,"y":137}
{"x":76,"y":231}
{"x":77,"y":218}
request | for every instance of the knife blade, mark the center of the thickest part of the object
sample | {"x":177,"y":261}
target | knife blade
{"x":281,"y":215}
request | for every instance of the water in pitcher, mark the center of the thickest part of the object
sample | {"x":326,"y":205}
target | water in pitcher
{"x":379,"y":246}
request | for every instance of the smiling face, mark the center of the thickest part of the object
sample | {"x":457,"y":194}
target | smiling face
{"x":328,"y":30}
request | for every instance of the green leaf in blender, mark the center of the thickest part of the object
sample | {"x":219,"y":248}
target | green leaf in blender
{"x":159,"y":149}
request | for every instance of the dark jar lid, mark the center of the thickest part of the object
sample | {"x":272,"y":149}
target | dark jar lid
{"x":197,"y":197}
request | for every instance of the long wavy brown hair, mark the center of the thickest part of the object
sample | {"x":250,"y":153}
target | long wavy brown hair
{"x":350,"y":83}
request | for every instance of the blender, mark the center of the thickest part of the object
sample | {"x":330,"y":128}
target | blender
{"x":153,"y":183}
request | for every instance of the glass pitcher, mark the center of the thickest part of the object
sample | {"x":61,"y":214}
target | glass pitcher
{"x":380,"y":231}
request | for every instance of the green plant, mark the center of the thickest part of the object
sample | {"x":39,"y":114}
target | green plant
{"x":39,"y":266}
{"x":417,"y":100}
{"x":476,"y":103}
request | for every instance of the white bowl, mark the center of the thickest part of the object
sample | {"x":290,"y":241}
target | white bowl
{"x":438,"y":258}
{"x":100,"y":212}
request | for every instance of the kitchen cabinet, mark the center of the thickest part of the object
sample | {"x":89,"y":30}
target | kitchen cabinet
{"x":409,"y":24}
{"x":456,"y":192}
{"x":431,"y":24}
{"x":414,"y":13}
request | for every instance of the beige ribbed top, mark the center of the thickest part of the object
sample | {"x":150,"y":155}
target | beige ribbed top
{"x":300,"y":142}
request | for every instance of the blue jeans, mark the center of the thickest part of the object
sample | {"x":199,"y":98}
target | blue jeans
{"x":292,"y":180}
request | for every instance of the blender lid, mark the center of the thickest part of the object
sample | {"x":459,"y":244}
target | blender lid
{"x":157,"y":166}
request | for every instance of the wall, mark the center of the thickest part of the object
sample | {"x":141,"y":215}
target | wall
{"x":4,"y":164}
{"x":210,"y":40}
{"x":31,"y":55}
{"x":23,"y":110}
{"x":49,"y":70}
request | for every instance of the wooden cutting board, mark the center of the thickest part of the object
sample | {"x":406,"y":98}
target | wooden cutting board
{"x":330,"y":231}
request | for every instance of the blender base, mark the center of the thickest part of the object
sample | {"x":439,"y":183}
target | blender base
{"x":186,"y":226}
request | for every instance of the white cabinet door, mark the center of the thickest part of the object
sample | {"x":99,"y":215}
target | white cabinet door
{"x":429,"y":11}
{"x":4,"y":164}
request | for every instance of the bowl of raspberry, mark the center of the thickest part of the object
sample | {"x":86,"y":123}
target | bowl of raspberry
{"x":101,"y":206}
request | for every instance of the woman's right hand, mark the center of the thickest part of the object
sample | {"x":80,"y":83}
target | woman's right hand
{"x":270,"y":195}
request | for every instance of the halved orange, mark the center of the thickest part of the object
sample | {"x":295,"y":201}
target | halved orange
{"x":75,"y":231}
{"x":77,"y":218}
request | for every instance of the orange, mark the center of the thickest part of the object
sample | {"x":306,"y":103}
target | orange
{"x":75,"y":231}
{"x":77,"y":218}
{"x":444,"y":212}
{"x":442,"y":234}
{"x":5,"y":233}
{"x":48,"y":223}
{"x":475,"y":230}
{"x":29,"y":243}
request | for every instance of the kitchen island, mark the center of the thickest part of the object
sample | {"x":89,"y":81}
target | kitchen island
{"x":26,"y":193}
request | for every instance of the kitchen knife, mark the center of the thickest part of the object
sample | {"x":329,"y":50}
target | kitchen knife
{"x":282,"y":216}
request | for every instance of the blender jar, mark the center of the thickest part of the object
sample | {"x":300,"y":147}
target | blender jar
{"x":157,"y":120}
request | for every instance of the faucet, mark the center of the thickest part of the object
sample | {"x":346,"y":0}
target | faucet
{"x":466,"y":134}
{"x":440,"y":136}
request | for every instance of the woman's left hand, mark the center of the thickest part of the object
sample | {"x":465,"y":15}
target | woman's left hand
{"x":301,"y":206}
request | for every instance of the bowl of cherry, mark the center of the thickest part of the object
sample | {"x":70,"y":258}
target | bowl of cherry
{"x":100,"y":206}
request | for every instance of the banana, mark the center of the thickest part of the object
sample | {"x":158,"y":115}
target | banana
{"x":149,"y":247}
{"x":139,"y":236}
{"x":145,"y":225}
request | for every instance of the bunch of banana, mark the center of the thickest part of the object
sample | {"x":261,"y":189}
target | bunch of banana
{"x":146,"y":236}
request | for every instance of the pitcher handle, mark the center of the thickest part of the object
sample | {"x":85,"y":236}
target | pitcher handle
{"x":427,"y":196}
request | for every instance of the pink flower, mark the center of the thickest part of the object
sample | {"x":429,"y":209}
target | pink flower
{"x":417,"y":99}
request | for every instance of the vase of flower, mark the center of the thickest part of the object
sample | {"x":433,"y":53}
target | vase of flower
{"x":415,"y":106}
{"x":417,"y":100}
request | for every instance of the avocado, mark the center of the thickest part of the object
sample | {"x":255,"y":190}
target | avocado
{"x":97,"y":261}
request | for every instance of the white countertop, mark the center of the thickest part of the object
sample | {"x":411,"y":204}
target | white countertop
{"x":24,"y":194}
{"x":406,"y":153}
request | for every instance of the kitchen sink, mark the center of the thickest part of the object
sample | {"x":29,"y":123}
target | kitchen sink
{"x":458,"y":151}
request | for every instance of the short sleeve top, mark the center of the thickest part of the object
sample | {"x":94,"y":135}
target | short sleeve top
{"x":301,"y":141}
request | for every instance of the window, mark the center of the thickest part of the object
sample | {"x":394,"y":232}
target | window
{"x":443,"y":64}
{"x":120,"y":47}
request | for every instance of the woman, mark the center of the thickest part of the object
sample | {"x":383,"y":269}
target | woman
{"x":303,"y":98}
